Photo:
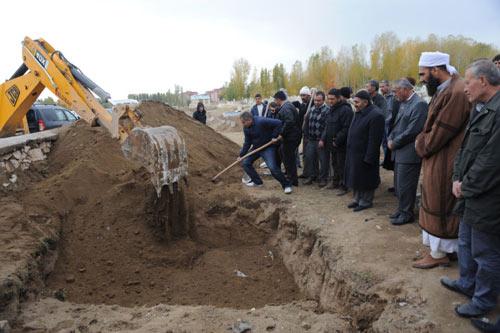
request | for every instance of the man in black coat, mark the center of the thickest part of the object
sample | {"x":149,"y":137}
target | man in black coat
{"x":476,"y":185}
{"x":291,"y":134}
{"x":362,"y":172}
{"x":334,"y":137}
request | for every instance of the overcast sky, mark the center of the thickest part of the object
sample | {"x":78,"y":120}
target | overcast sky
{"x":132,"y":46}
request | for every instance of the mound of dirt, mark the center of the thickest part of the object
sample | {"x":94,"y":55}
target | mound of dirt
{"x":109,"y":251}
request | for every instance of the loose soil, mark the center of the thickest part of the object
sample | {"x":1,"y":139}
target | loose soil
{"x":110,"y":250}
{"x":354,"y":267}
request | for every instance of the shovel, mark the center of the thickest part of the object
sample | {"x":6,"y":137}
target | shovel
{"x":243,"y":157}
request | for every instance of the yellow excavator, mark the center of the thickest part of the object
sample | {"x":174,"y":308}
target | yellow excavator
{"x":161,"y":150}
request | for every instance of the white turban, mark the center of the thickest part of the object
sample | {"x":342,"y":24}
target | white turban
{"x":305,"y":91}
{"x":433,"y":59}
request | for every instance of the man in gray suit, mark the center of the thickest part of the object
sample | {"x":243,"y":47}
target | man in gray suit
{"x":408,"y":124}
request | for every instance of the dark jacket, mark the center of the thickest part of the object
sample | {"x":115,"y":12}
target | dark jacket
{"x":408,"y":124}
{"x":289,"y":116}
{"x":338,"y":121}
{"x":381,"y":103}
{"x":272,"y":115}
{"x":201,"y":116}
{"x":302,"y":109}
{"x":255,"y":111}
{"x":389,"y":101}
{"x":388,"y":163}
{"x":477,"y":166}
{"x":363,"y":149}
{"x":260,"y":133}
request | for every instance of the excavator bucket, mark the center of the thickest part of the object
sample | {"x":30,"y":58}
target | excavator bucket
{"x":162,"y":151}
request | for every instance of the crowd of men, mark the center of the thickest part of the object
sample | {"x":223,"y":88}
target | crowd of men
{"x":453,"y":142}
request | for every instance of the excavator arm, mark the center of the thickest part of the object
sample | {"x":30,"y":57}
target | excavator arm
{"x":45,"y":67}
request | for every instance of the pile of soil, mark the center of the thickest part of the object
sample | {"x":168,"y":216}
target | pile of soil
{"x":109,"y":250}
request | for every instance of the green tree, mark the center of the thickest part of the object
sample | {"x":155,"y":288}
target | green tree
{"x":279,"y":77}
{"x":47,"y":101}
{"x":239,"y":78}
{"x":266,"y":85}
{"x":296,"y":80}
{"x":388,"y":58}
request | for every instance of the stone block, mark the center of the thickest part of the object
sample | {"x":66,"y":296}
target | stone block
{"x":36,"y":154}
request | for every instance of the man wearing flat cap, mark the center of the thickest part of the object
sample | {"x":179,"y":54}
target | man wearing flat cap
{"x":362,"y":173}
{"x":437,"y":145}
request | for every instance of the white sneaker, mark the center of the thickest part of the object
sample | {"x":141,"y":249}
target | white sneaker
{"x":252,"y":184}
{"x":245,"y":180}
{"x":288,"y":190}
{"x":263,"y":165}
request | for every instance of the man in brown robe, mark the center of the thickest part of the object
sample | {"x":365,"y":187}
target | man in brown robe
{"x":438,"y":144}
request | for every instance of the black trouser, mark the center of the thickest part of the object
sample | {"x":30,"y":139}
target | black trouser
{"x":337,"y":157}
{"x":364,"y":198}
{"x":406,"y":183}
{"x":289,"y":158}
{"x":338,"y":164}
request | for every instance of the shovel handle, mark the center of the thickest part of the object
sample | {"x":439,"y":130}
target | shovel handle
{"x":242,"y":158}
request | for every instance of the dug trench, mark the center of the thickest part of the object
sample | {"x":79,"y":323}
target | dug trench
{"x":92,"y":224}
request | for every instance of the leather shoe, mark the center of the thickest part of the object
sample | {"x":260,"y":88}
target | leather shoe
{"x":322,"y":183}
{"x":452,"y":256}
{"x":342,"y":192}
{"x":332,"y":186}
{"x":308,"y":181}
{"x":353,"y":205}
{"x":402,"y":220}
{"x":428,"y":262}
{"x":453,"y":286}
{"x":469,"y":310}
{"x":395,"y":215}
{"x":486,"y":327}
{"x":360,"y":208}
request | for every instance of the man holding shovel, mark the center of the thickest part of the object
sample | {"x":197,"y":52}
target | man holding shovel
{"x":262,"y":132}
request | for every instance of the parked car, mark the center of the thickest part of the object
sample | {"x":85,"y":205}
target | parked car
{"x":43,"y":117}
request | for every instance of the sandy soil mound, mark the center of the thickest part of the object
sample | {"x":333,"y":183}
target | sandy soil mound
{"x":110,"y":253}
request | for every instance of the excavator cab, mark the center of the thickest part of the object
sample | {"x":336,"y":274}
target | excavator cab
{"x":161,"y":150}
